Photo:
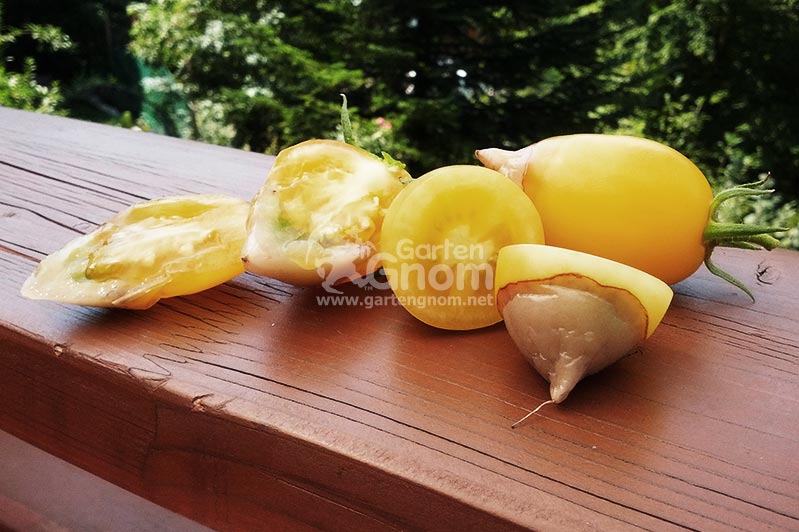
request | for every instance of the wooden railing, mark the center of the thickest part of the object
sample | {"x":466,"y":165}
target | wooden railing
{"x":253,"y":407}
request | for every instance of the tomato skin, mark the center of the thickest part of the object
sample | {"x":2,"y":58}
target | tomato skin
{"x":628,"y":199}
{"x":454,"y":220}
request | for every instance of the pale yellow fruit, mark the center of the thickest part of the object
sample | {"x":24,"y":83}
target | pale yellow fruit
{"x":320,"y":212}
{"x":160,"y":248}
{"x":440,"y":242}
{"x":629,"y":199}
{"x":573,"y":314}
{"x":632,"y":200}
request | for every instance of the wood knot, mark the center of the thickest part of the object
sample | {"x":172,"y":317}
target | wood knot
{"x":766,"y":274}
{"x":197,"y":402}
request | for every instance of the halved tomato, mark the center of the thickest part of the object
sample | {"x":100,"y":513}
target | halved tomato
{"x":320,"y":212}
{"x":440,"y":241}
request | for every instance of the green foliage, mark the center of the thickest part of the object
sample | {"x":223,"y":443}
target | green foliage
{"x":714,"y":79}
{"x":20,"y":89}
{"x":80,"y":46}
{"x":431,"y":81}
{"x":237,"y":62}
{"x":447,"y":80}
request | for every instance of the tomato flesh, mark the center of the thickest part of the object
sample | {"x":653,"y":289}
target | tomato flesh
{"x":441,"y":238}
{"x":165,"y":247}
{"x":320,"y":212}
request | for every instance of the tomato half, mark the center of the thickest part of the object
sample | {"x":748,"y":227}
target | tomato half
{"x":320,"y":212}
{"x":440,"y":241}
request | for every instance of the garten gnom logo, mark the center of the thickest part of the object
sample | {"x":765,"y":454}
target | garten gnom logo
{"x":436,"y":274}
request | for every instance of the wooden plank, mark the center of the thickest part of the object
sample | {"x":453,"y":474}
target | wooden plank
{"x":254,"y":404}
{"x":40,"y":493}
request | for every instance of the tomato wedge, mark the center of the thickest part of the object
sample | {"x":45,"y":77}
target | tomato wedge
{"x":160,"y":248}
{"x":572,"y":314}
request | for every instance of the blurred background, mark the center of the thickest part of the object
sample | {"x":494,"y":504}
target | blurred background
{"x":429,"y":81}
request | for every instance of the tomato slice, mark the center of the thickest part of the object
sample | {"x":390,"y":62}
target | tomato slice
{"x":320,"y":212}
{"x":441,"y":238}
{"x":160,"y":248}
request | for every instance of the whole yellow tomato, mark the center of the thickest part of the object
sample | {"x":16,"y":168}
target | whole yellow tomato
{"x":628,"y":199}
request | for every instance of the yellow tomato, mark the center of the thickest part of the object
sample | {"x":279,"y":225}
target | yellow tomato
{"x":440,"y":241}
{"x":160,"y":248}
{"x":629,"y":199}
{"x":320,"y":212}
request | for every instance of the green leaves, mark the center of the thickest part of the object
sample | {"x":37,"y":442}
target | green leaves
{"x":50,"y":36}
{"x":21,"y":89}
{"x":429,"y":82}
{"x":271,"y":74}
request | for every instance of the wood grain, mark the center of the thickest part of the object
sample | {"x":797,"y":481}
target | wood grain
{"x":253,"y":407}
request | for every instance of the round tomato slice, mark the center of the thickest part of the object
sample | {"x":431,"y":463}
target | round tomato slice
{"x":440,"y":241}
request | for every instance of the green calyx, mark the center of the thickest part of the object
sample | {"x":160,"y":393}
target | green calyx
{"x":349,"y":136}
{"x":736,"y":234}
{"x":346,"y":124}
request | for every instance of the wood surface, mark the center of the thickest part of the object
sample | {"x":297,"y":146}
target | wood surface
{"x":252,"y":407}
{"x":42,"y":493}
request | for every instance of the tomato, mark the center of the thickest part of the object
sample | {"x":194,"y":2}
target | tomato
{"x":320,"y":213}
{"x":629,"y":199}
{"x":160,"y":248}
{"x":572,"y":314}
{"x":440,"y":241}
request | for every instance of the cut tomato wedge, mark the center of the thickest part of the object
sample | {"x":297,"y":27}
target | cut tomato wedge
{"x":160,"y":248}
{"x":441,"y":238}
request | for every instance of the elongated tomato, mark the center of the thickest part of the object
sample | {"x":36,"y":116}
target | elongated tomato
{"x":628,"y":199}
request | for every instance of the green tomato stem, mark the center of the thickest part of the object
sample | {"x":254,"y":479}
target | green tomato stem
{"x":349,"y":136}
{"x":715,"y":270}
{"x":735,"y":234}
{"x":346,"y":124}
